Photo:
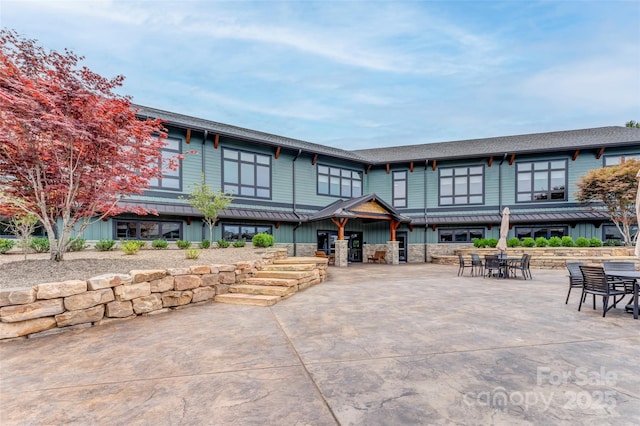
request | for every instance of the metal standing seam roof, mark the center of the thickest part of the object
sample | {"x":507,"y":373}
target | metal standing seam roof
{"x":612,"y":136}
{"x":514,"y":218}
{"x":174,"y":209}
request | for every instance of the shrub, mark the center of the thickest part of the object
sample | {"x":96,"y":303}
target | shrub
{"x":140,"y":244}
{"x":567,"y":241}
{"x":105,"y":245}
{"x":159,"y":244}
{"x":6,"y":245}
{"x":77,"y":244}
{"x":222,"y":243}
{"x":582,"y":242}
{"x":205,"y":244}
{"x":40,"y":244}
{"x":555,"y":242}
{"x":266,"y":240}
{"x":542,"y":242}
{"x":611,"y":243}
{"x":513,"y":242}
{"x":192,"y":253}
{"x":182,"y":244}
{"x":595,"y":242}
{"x":131,"y":247}
{"x":492,"y":242}
{"x":479,"y":242}
{"x":240,"y":243}
{"x":528,"y":242}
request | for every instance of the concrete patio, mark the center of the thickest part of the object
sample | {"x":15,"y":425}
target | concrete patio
{"x":374,"y":345}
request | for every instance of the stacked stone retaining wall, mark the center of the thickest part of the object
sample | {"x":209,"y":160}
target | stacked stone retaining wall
{"x":550,"y":257}
{"x":49,"y":308}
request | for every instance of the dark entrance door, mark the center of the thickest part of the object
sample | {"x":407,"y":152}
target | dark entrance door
{"x":326,"y":241}
{"x":402,"y":243}
{"x":355,"y":246}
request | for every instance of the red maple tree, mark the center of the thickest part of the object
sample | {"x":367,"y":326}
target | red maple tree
{"x":70,"y":148}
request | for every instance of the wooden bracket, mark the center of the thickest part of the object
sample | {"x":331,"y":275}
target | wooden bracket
{"x":366,"y":172}
{"x":575,"y":155}
{"x":188,"y":138}
{"x":314,"y":159}
{"x":433,"y":165}
{"x":277,"y":152}
{"x":512,"y":159}
{"x":411,"y":167}
{"x":388,"y":168}
{"x":216,"y":141}
{"x":490,"y":162}
{"x":600,"y":152}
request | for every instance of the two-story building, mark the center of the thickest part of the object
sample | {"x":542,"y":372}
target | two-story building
{"x":414,"y":198}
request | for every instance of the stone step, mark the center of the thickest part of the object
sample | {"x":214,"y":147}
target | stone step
{"x":267,"y":290}
{"x":293,"y":275}
{"x":282,"y":282}
{"x":247,"y":299}
{"x":308,"y":284}
{"x":295,"y":260}
{"x":290,"y":267}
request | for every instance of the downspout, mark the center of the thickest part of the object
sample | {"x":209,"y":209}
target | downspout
{"x":204,"y":139}
{"x":504,"y":157}
{"x":426,"y":167}
{"x":203,"y":174}
{"x":295,"y":228}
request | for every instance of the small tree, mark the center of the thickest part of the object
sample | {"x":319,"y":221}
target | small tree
{"x":615,"y":187}
{"x":22,"y":227}
{"x":70,"y":148}
{"x":632,"y":123}
{"x":209,"y":202}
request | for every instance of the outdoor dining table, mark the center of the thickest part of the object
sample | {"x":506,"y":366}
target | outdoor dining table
{"x":636,"y":284}
{"x":505,"y":263}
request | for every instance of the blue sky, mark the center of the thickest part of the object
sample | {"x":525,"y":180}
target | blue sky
{"x":358,"y":75}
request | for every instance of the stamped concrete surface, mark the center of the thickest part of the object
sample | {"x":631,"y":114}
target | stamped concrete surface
{"x":374,"y":345}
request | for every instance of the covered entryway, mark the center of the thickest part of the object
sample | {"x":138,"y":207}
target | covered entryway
{"x":349,"y":246}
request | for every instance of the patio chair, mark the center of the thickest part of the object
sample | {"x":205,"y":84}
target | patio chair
{"x":595,"y":282}
{"x":521,"y":265}
{"x":626,"y":284}
{"x":477,"y":265}
{"x":620,"y":266}
{"x":575,"y":277}
{"x":462,"y":263}
{"x":492,"y":263}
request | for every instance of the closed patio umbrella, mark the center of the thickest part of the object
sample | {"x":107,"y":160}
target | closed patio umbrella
{"x":504,"y":230}
{"x":638,"y":216}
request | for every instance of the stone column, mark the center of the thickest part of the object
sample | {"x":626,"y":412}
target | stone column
{"x":393,"y":252}
{"x":342,"y":253}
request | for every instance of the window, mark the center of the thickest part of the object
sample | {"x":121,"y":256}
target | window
{"x":170,"y":178}
{"x":147,"y":230}
{"x":400,"y":189}
{"x":612,"y":160}
{"x":459,"y":235}
{"x":231,"y":232}
{"x":246,"y":174}
{"x":462,"y":185}
{"x":611,"y":233}
{"x":540,"y":231}
{"x":541,"y":181}
{"x":339,"y":182}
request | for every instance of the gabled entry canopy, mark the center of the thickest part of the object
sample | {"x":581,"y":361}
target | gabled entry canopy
{"x":368,"y":207}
